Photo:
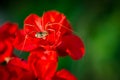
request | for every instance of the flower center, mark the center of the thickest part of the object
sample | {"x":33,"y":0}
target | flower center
{"x":41,"y":34}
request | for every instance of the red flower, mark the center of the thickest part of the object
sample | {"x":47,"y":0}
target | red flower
{"x":43,"y":63}
{"x":64,"y":75}
{"x":7,"y":35}
{"x":45,"y":38}
{"x":43,"y":31}
{"x":53,"y":30}
{"x":19,"y":70}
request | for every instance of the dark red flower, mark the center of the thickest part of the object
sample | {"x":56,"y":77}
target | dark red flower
{"x":64,"y":75}
{"x":7,"y":35}
{"x":43,"y":63}
{"x":19,"y":70}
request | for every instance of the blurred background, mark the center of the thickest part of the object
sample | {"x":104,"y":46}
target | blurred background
{"x":97,"y":22}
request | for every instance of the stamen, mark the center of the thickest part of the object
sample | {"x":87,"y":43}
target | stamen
{"x":41,"y":34}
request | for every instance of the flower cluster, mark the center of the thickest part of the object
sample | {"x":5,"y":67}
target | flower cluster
{"x":46,"y":39}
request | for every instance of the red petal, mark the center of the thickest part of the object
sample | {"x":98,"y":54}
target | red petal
{"x":56,"y":21}
{"x":7,"y":35}
{"x":64,"y":75}
{"x":19,"y":70}
{"x":8,"y":30}
{"x":4,"y":75}
{"x":43,"y":63}
{"x":32,"y":24}
{"x":7,"y":50}
{"x":72,"y":45}
{"x":24,"y":42}
{"x":19,"y":63}
{"x":2,"y":46}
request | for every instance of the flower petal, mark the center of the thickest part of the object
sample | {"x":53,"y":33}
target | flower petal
{"x":18,"y":62}
{"x":24,"y":42}
{"x":43,"y":63}
{"x":72,"y":45}
{"x":8,"y":30}
{"x":2,"y":46}
{"x":7,"y":51}
{"x":56,"y":21}
{"x":32,"y":24}
{"x":64,"y":75}
{"x":4,"y":75}
{"x":19,"y":70}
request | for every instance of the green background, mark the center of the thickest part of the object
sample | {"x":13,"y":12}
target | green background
{"x":97,"y":22}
